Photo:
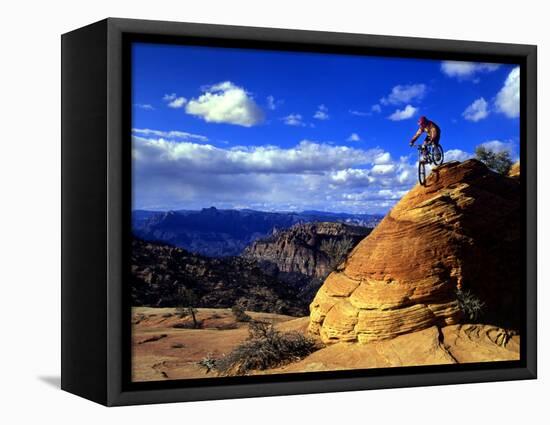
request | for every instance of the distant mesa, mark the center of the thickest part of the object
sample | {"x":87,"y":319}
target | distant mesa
{"x":227,"y":232}
{"x":310,"y":249}
{"x":461,"y":231}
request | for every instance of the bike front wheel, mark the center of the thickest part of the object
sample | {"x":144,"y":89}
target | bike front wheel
{"x":437,"y":155}
{"x":422,"y":173}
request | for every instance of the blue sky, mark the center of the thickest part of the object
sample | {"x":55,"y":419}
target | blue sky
{"x":239,"y":128}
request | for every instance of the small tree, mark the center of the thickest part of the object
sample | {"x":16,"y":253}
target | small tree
{"x":187,"y":300}
{"x":496,"y":161}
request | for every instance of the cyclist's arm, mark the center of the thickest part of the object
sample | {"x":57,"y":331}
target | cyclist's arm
{"x":416,"y":136}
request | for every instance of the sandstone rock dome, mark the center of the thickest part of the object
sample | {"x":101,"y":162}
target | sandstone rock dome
{"x":460,"y":231}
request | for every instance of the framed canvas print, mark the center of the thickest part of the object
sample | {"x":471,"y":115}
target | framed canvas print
{"x":252,"y":212}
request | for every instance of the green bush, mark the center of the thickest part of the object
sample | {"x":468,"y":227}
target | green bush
{"x":470,"y":304}
{"x":496,"y":161}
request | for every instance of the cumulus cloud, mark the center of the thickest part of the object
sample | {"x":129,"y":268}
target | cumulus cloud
{"x":171,"y":134}
{"x":354,"y":137}
{"x":295,"y":120}
{"x":457,"y":155}
{"x":227,"y":103}
{"x":174,"y":101}
{"x":321,"y":113}
{"x":466,"y":70}
{"x":507,"y":99}
{"x":306,"y":157}
{"x":477,"y":111}
{"x":403,"y":114}
{"x":498,"y":146}
{"x":183,"y":174}
{"x":395,"y":175}
{"x":402,"y":94}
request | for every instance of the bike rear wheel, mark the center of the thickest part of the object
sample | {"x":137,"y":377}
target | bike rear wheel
{"x":422,"y":173}
{"x":437,"y":154}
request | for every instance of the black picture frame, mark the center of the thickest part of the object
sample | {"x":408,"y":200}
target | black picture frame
{"x":96,"y":195}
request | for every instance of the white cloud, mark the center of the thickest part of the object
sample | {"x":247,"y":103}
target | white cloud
{"x":403,"y":114}
{"x":321,"y":113}
{"x":383,"y":158}
{"x":507,"y":100}
{"x":399,"y":175}
{"x":273,"y":103}
{"x":172,"y":174}
{"x":174,"y":101}
{"x":383,"y":168}
{"x":466,"y":70}
{"x":294,"y":120}
{"x":226,"y":103}
{"x":354,"y":137}
{"x":306,"y":157}
{"x":144,"y":106}
{"x":477,"y":111}
{"x":498,"y":146}
{"x":457,"y":155}
{"x":172,"y":134}
{"x":402,"y":94}
{"x":376,"y":108}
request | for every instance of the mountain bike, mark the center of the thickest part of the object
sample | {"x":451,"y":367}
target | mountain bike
{"x":429,"y":153}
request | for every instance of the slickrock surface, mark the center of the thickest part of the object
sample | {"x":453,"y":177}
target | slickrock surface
{"x":460,"y":231}
{"x":431,"y":346}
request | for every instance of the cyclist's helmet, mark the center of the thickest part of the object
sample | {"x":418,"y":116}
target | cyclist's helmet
{"x":423,"y":121}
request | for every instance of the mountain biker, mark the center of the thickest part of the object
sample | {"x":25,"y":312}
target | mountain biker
{"x":431,"y":128}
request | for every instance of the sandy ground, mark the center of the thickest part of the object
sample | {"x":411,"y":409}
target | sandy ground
{"x":162,"y":352}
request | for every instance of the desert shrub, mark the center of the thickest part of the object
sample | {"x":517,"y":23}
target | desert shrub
{"x":178,"y":345}
{"x":496,"y":161}
{"x":470,"y":304}
{"x":240,"y":314}
{"x":264,"y":348}
{"x":208,"y":363}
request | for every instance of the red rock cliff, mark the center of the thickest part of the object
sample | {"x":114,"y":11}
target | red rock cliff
{"x":460,"y":231}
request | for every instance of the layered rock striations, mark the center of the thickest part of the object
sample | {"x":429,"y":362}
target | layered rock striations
{"x":461,"y":231}
{"x":310,"y":249}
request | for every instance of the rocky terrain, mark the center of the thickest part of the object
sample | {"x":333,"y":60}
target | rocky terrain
{"x":310,"y":249}
{"x":161,"y":351}
{"x":159,"y":272}
{"x":280,"y":274}
{"x":461,"y":232}
{"x":438,"y":281}
{"x":216,"y":233}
